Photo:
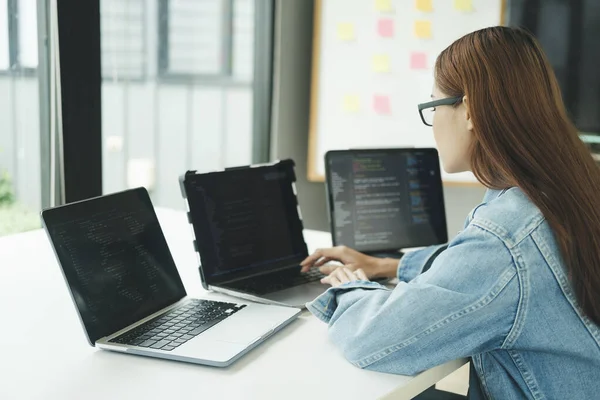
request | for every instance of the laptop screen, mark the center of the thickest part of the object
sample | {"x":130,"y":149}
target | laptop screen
{"x":245,"y":220}
{"x":115,"y":260}
{"x":384,"y":200}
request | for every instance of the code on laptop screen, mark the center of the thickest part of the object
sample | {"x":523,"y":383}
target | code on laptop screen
{"x":246,"y":221}
{"x":386,"y":199}
{"x":115,"y":260}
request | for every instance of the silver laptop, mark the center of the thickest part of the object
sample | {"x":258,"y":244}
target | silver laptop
{"x":128,"y":293}
{"x":249,"y":234}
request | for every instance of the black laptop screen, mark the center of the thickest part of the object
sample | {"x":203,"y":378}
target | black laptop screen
{"x":115,"y":260}
{"x":246,"y":221}
{"x":383,"y":200}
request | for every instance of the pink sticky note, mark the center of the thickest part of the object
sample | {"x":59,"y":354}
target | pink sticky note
{"x":381,"y":104}
{"x":418,"y":60}
{"x":385,"y":27}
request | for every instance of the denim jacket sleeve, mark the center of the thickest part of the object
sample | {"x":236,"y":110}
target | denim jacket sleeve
{"x":415,"y":262}
{"x":465,"y":304}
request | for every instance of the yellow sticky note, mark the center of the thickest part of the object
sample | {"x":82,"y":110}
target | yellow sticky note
{"x":463,"y":5}
{"x":345,"y":31}
{"x":351,"y":103}
{"x":425,"y":5}
{"x":383,"y":5}
{"x":423,"y":29}
{"x":381,"y":63}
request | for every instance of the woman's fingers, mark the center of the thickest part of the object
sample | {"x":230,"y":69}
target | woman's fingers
{"x":361,"y":274}
{"x":322,"y":261}
{"x":343,"y":275}
{"x":348,"y":274}
{"x":342,"y":254}
{"x":331,"y":280}
{"x":318,"y":256}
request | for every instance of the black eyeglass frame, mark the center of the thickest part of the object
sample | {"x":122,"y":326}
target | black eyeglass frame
{"x":449,"y":101}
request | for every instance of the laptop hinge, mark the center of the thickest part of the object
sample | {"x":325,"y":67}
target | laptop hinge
{"x":253,"y":275}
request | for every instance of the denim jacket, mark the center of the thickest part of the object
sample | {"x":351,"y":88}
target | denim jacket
{"x":499,"y":294}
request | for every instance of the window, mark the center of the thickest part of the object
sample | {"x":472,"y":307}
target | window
{"x":26,"y":54}
{"x":210,"y":39}
{"x":18,"y":36}
{"x":195,"y":37}
{"x":180,"y":92}
{"x":22,"y":166}
{"x":123,"y":39}
{"x":4,"y":43}
{"x":189,"y":89}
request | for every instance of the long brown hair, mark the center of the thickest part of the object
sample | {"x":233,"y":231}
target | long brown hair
{"x":523,"y":137}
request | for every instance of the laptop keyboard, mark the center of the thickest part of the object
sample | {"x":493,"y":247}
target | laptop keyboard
{"x":279,"y":281}
{"x":179,"y":325}
{"x":313,"y":275}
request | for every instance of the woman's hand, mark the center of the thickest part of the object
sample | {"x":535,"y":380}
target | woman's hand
{"x":372,"y":267}
{"x":344,"y":275}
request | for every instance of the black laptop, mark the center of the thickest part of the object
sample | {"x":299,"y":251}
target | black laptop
{"x":384,"y":200}
{"x":249,"y":233}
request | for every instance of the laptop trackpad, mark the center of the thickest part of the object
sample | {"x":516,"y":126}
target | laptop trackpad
{"x":297,"y":296}
{"x":242,"y":328}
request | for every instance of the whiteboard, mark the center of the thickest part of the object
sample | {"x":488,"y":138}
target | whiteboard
{"x":373,"y":63}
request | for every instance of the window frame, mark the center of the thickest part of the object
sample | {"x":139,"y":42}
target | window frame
{"x":81,"y":84}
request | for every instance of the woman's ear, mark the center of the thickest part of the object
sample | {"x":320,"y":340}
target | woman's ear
{"x":468,"y":119}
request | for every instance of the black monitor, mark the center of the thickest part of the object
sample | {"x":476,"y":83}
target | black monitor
{"x":115,"y":260}
{"x":384,"y":200}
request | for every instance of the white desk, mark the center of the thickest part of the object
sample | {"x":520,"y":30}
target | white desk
{"x":44,"y":354}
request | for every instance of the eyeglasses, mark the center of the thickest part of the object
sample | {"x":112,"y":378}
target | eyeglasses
{"x":427,"y":109}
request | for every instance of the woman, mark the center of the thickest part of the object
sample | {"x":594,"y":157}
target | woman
{"x":518,"y":289}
